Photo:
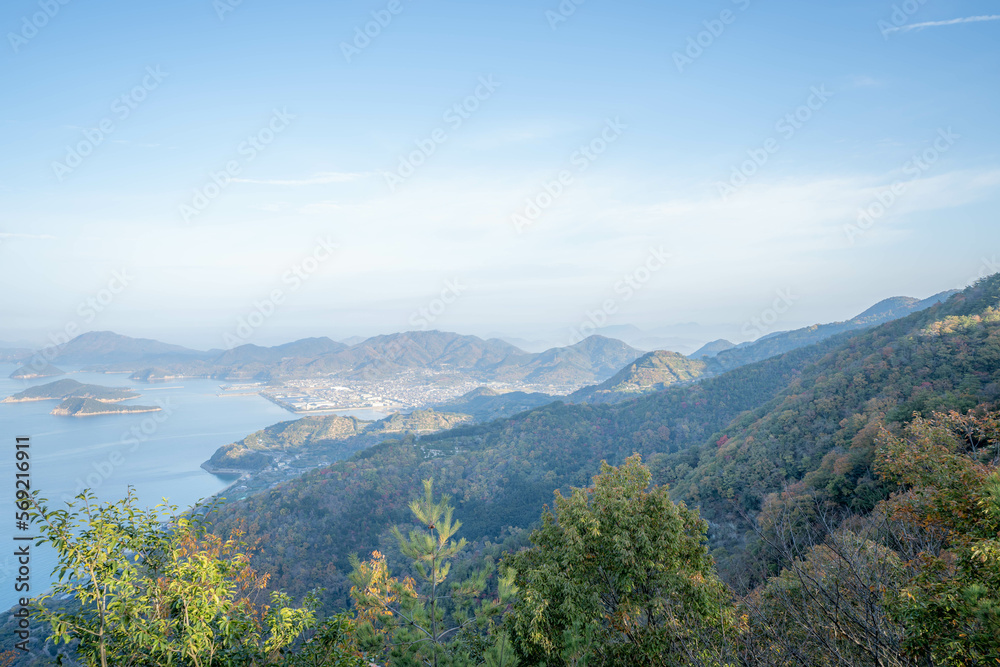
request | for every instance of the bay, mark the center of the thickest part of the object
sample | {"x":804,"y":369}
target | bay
{"x":157,"y":453}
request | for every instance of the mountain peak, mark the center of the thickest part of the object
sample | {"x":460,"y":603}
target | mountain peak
{"x":712,"y":349}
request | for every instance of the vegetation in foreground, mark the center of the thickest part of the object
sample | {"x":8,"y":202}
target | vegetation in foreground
{"x":616,"y":574}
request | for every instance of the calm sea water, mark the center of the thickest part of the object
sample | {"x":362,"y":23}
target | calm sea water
{"x":158,"y":453}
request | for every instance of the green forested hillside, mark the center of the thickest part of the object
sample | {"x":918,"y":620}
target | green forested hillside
{"x":657,"y":370}
{"x":804,"y":421}
{"x":500,"y":474}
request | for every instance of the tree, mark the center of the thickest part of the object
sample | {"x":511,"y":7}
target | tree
{"x":618,"y":574}
{"x":417,"y":622}
{"x":948,"y":471}
{"x":917,"y":581}
{"x":151,"y":587}
{"x":828,"y":606}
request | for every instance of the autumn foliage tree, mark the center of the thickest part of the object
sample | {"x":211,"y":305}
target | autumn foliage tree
{"x":915,"y":582}
{"x":948,"y":471}
{"x":150,"y":587}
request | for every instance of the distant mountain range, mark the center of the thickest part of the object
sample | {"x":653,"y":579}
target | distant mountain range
{"x":774,"y":344}
{"x":589,"y":361}
{"x":604,"y":366}
{"x":658,"y":370}
{"x":712,"y":349}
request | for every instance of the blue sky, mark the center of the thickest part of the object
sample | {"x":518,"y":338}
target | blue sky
{"x":669,"y":120}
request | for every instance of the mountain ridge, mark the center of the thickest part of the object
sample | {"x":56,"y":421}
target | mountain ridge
{"x":590,"y":360}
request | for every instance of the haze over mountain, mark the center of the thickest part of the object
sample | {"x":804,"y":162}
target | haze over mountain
{"x":785,"y":341}
{"x":713,"y":348}
{"x":658,"y":370}
{"x":484,"y":403}
{"x":590,"y":360}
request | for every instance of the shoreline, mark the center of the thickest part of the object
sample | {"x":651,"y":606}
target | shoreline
{"x":10,"y":399}
{"x":212,"y":470}
{"x":217,"y":496}
{"x":66,"y":413}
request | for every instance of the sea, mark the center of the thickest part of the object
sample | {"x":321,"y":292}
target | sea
{"x":159,"y":454}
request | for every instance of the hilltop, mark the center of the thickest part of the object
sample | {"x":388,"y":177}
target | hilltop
{"x":651,"y":372}
{"x":712,"y":349}
{"x":660,"y":369}
{"x":29,"y":372}
{"x":106,"y":347}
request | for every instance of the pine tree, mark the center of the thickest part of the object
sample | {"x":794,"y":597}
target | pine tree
{"x":422,"y":622}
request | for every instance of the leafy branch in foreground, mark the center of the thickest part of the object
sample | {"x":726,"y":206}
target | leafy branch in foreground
{"x":154,"y":588}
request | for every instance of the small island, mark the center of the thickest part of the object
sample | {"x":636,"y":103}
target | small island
{"x":88,"y":407}
{"x":29,"y":372}
{"x":60,"y":390}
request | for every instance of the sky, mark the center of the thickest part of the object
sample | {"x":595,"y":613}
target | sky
{"x":204,"y":171}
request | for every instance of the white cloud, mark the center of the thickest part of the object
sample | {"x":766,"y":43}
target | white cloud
{"x":935,"y":24}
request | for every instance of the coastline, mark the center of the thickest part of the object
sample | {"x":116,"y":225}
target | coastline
{"x":242,"y":476}
{"x":212,"y":470}
{"x":11,"y":399}
{"x":67,"y":413}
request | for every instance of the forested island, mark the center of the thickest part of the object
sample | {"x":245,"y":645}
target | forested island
{"x":63,"y":389}
{"x":88,"y":407}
